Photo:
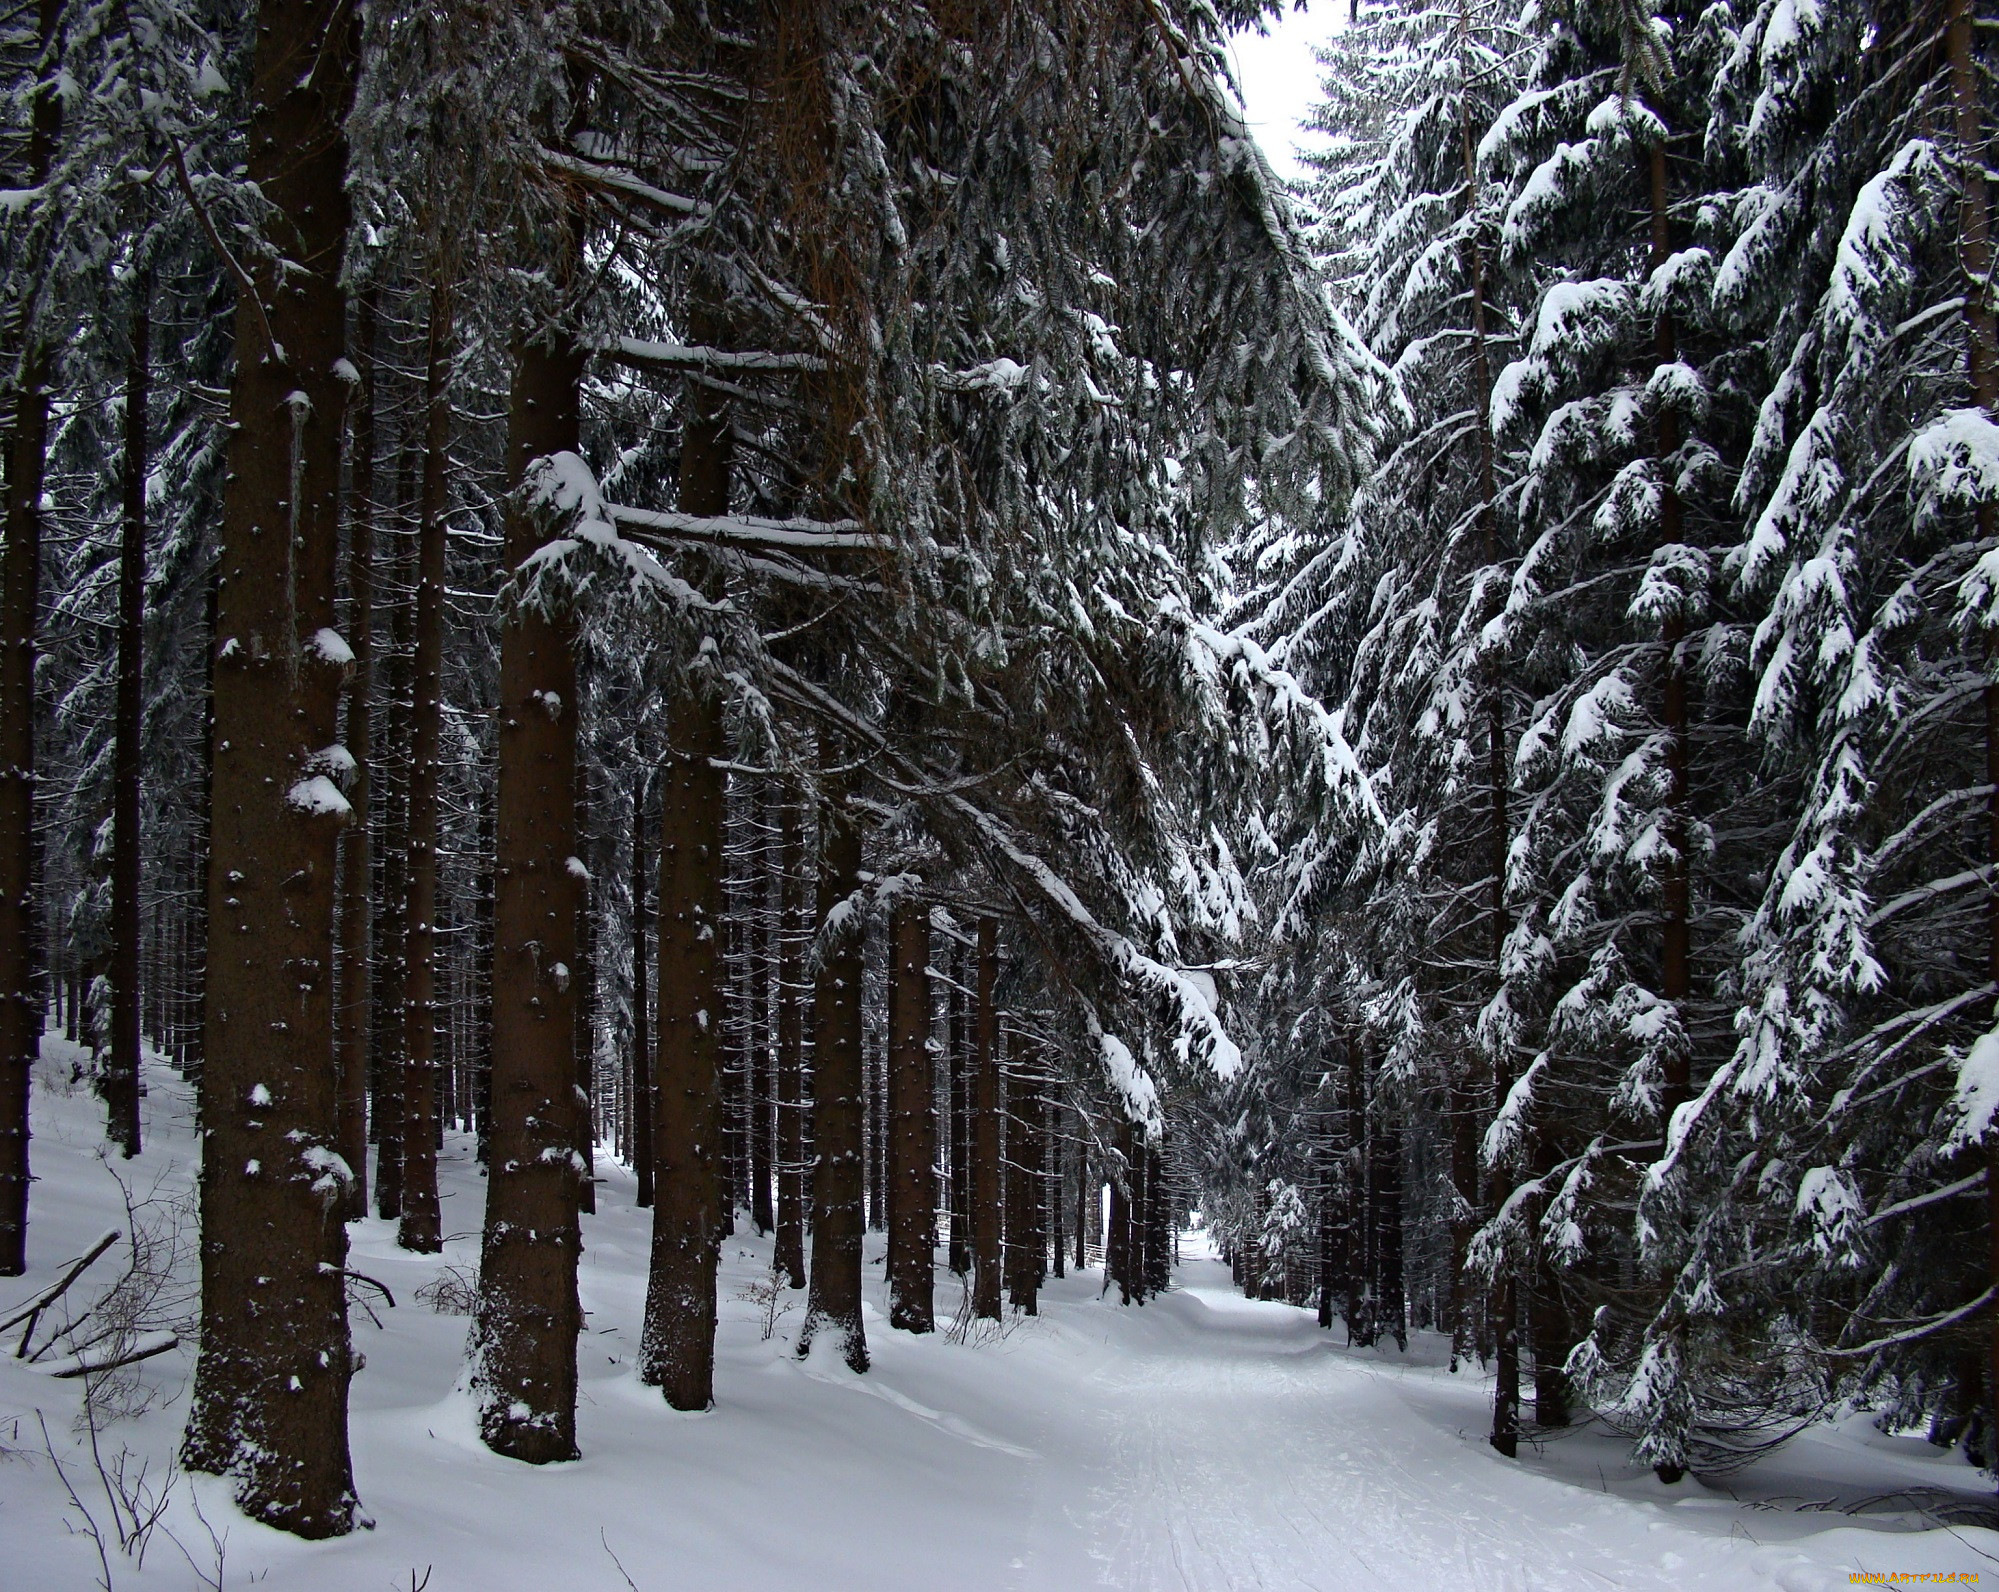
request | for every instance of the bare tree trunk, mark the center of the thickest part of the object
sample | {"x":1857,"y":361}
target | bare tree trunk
{"x":912,"y":1139}
{"x":763,"y":1050}
{"x":20,"y":615}
{"x":1089,"y":1197}
{"x":420,"y":1228}
{"x":959,"y":1059}
{"x":353,"y":1000}
{"x":642,"y":1070}
{"x":1026,"y":1238}
{"x":524,"y":1334}
{"x":482,"y":976}
{"x":690,"y":1153}
{"x":986,"y":1212}
{"x":270,"y":1390}
{"x":834,"y":1305}
{"x":391,"y":980}
{"x":789,"y":1255}
{"x":677,"y":1351}
{"x":121,"y":1083}
{"x":585,"y":976}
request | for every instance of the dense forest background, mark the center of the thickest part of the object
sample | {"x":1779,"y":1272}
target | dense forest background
{"x":855,"y":607}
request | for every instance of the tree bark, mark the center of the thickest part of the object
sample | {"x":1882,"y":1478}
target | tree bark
{"x":677,"y":1349}
{"x":584,"y":973}
{"x":270,"y":1390}
{"x":793,"y":927}
{"x":764,"y":1049}
{"x":642,"y":1070}
{"x":958,"y":1028}
{"x":421,"y":1228}
{"x":986,"y":1193}
{"x":1026,"y":1236}
{"x":353,"y":1001}
{"x":834,"y":1304}
{"x":691,"y":1141}
{"x":912,"y":1140}
{"x":524,"y":1333}
{"x":391,"y":980}
{"x":121,"y":1083}
{"x":20,"y":616}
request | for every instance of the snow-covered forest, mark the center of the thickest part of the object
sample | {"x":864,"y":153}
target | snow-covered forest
{"x":709,"y":707}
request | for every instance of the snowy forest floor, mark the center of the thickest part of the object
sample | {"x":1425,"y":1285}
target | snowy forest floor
{"x":1203,"y":1441}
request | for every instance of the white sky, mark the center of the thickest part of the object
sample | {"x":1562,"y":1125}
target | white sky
{"x":1280,"y":80}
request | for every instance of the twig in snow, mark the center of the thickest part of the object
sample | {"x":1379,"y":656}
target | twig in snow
{"x":616,"y":1560}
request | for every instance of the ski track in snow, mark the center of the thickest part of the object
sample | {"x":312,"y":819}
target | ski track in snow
{"x":1201,"y":1443}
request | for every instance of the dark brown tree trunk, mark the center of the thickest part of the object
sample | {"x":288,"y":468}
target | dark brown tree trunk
{"x":642,"y":1070}
{"x":793,"y":927}
{"x":1051,"y":1150}
{"x":763,"y":1049}
{"x":420,"y":1228}
{"x":1089,"y":1197}
{"x":392,"y":911}
{"x":270,"y":1391}
{"x":677,"y":1351}
{"x":912,"y":1139}
{"x":121,"y":1082}
{"x":986,"y":1193}
{"x":20,"y":614}
{"x":1554,"y":1336}
{"x":585,"y":976}
{"x":1332,"y":1225}
{"x":1115,"y":1269}
{"x":482,"y":975}
{"x":1027,"y":1238}
{"x":690,"y":1162}
{"x":958,"y":1056}
{"x":524,"y":1334}
{"x":1360,"y":1272}
{"x":1391,"y":1309}
{"x":834,"y":1306}
{"x":353,"y":1001}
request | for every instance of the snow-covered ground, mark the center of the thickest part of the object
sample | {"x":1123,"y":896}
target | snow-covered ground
{"x":1203,"y":1441}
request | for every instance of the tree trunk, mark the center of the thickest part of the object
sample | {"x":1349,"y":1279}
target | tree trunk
{"x":690,"y":1134}
{"x":642,"y":1071}
{"x":421,"y":1229}
{"x":20,"y":615}
{"x":986,"y":1212}
{"x":1051,"y":1150}
{"x":1391,"y":1309}
{"x":391,"y":981}
{"x":793,"y":927}
{"x":958,"y":1056}
{"x":270,"y":1390}
{"x":834,"y":1307}
{"x":912,"y":1138}
{"x":763,"y":1051}
{"x":482,"y":975}
{"x":353,"y":1054}
{"x":524,"y":1334}
{"x":1027,"y":1238}
{"x":1089,"y":1197}
{"x":584,"y":974}
{"x":677,"y":1351}
{"x":121,"y":1083}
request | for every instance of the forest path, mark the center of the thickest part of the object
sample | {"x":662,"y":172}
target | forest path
{"x":1201,"y":1443}
{"x":1238,"y":1446}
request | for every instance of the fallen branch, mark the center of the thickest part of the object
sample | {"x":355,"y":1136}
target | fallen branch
{"x":143,"y":1349}
{"x":31,"y":1313}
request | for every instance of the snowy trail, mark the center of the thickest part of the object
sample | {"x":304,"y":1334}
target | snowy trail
{"x":1202,"y":1443}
